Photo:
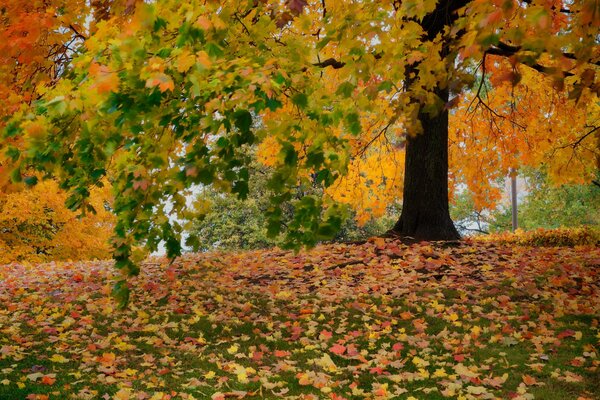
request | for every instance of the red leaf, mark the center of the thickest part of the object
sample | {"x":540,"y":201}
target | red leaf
{"x":281,"y":353}
{"x":337,"y":349}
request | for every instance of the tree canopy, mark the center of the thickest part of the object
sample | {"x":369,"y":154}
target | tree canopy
{"x":162,"y":96}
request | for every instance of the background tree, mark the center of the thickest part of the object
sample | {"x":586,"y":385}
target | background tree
{"x":549,"y":206}
{"x":36,"y":226}
{"x":227,"y":222}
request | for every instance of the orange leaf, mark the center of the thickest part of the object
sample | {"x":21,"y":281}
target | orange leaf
{"x":529,"y":380}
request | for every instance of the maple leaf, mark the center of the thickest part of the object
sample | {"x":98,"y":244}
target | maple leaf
{"x":48,"y":380}
{"x":162,"y":80}
{"x":281,"y":353}
{"x":107,"y":359}
{"x":58,"y":358}
{"x":105,"y":80}
{"x":338,"y":349}
{"x":296,"y":6}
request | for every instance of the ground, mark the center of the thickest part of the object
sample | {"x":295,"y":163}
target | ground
{"x":378,"y":320}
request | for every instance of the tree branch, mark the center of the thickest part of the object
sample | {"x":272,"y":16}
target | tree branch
{"x":580,"y":139}
{"x":506,"y":50}
{"x":77,"y":33}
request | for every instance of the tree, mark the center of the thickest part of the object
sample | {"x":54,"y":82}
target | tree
{"x":550,"y":207}
{"x":36,"y":226}
{"x":226,"y":222}
{"x":171,"y":96}
{"x":39,"y":39}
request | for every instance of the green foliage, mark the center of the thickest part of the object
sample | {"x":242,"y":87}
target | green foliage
{"x":228,"y":222}
{"x":549,"y":207}
{"x":544,"y":206}
{"x":467,"y":219}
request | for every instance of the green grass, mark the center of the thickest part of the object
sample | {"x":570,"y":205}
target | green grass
{"x":218,"y":330}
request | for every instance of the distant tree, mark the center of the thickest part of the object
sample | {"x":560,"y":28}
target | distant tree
{"x":467,"y":218}
{"x":227,"y":222}
{"x":549,"y":206}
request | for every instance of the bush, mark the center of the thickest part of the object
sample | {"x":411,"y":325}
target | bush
{"x":568,"y":237}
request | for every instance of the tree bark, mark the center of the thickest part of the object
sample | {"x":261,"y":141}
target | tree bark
{"x":425,"y":211}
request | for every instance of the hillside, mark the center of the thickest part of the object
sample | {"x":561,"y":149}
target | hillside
{"x":378,"y":320}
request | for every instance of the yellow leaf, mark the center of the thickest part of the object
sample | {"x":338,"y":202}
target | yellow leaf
{"x":57,"y":358}
{"x":185,"y":61}
{"x":209,"y":375}
{"x":204,"y":59}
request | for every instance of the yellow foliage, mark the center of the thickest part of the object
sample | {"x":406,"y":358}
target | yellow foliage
{"x":36,"y":226}
{"x":583,"y":236}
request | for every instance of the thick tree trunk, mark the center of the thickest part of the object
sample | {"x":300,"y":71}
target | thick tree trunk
{"x":425,"y":212}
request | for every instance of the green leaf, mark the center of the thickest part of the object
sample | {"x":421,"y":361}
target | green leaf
{"x":31,"y":180}
{"x":13,"y":153}
{"x":11,"y":129}
{"x":315,"y":158}
{"x":15,"y":175}
{"x":353,"y":123}
{"x":120,"y":292}
{"x":58,"y":104}
{"x":300,"y":99}
{"x":159,"y":24}
{"x":345,"y":89}
{"x":243,"y":120}
{"x":214,"y":50}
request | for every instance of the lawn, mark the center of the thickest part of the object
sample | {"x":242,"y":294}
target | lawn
{"x":377,"y":320}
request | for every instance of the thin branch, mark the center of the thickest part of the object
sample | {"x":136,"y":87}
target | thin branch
{"x":77,"y":33}
{"x":581,"y":139}
{"x":381,"y":132}
{"x":337,"y":64}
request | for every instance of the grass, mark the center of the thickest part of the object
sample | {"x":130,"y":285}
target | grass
{"x":498,"y":322}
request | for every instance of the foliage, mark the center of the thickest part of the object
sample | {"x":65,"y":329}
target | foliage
{"x":549,"y":206}
{"x":543,"y":205}
{"x":226,"y":222}
{"x":466,"y":216}
{"x":582,"y":236}
{"x":522,"y":127}
{"x":171,"y":96}
{"x":36,"y":226}
{"x":39,"y":39}
{"x":379,"y":320}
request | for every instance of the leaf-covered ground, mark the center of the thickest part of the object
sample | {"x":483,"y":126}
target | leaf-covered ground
{"x":378,"y":320}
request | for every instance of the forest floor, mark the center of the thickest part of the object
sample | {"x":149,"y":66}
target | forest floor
{"x":379,"y":320}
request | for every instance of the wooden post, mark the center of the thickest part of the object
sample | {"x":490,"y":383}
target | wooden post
{"x":513,"y":198}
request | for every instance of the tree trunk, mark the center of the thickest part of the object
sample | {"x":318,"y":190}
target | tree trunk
{"x":425,"y":212}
